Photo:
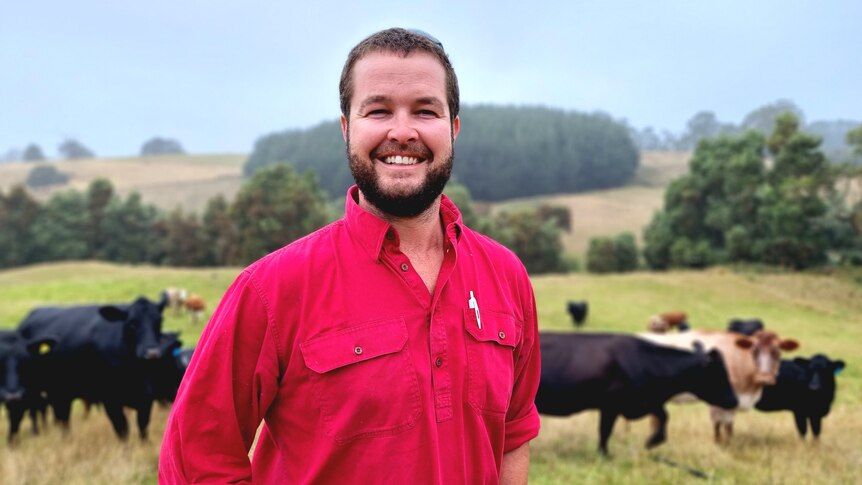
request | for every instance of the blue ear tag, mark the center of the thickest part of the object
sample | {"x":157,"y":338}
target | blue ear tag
{"x":838,"y":370}
{"x":177,"y":351}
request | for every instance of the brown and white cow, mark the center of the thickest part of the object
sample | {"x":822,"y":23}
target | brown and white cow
{"x":664,"y":322}
{"x":176,"y":299}
{"x":752,"y":362}
{"x":194,"y":303}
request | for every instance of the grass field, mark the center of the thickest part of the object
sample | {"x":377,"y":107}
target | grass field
{"x":823,"y":311}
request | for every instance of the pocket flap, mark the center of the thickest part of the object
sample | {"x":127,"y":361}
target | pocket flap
{"x":496,"y":327}
{"x":356,"y":344}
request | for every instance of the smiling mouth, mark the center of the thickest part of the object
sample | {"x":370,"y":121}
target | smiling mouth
{"x":400,"y":160}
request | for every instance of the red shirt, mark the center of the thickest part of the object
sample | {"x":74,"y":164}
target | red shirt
{"x":358,"y":373}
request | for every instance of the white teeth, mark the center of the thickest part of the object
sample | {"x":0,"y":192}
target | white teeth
{"x":399,"y":160}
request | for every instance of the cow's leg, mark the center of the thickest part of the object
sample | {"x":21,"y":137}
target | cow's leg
{"x":62,"y":409}
{"x":659,"y":435}
{"x":815,"y":426}
{"x":144,"y":411}
{"x":118,"y":419}
{"x":16,"y":414}
{"x":801,"y":423}
{"x":606,"y":427}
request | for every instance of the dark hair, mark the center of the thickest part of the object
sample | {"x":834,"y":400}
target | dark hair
{"x":402,"y":42}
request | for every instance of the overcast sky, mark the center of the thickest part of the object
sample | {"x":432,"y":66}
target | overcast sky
{"x":217,"y":74}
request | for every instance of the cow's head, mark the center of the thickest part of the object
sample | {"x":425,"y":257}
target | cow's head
{"x":819,"y":371}
{"x":17,"y":356}
{"x":142,"y":326}
{"x":714,"y":385}
{"x":766,"y":347}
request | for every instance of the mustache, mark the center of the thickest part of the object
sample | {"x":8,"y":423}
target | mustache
{"x":416,"y":148}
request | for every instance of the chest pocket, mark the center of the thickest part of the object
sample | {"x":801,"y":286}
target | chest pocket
{"x":490,"y":360}
{"x":364,"y":380}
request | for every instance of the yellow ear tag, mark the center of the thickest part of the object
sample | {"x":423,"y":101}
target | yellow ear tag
{"x":44,"y":348}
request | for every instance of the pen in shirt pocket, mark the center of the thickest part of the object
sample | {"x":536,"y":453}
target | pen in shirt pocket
{"x":472,"y":303}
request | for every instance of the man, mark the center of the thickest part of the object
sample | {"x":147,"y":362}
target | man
{"x":395,"y":345}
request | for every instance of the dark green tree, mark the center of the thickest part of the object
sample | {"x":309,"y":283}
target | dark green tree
{"x":185,"y":242}
{"x":100,"y":193}
{"x":536,"y":241}
{"x":612,"y":255}
{"x":221,"y":233}
{"x":18,"y":212}
{"x":60,"y":231}
{"x":276,"y":207}
{"x":161,"y":146}
{"x":130,"y":230}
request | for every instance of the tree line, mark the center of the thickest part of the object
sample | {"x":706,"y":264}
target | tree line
{"x":502,"y":152}
{"x":276,"y":206}
{"x":72,"y":149}
{"x":705,"y":124}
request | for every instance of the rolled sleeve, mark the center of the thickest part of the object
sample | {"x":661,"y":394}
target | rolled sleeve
{"x":522,"y":419}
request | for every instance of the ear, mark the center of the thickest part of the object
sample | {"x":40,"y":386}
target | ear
{"x":164,"y":301}
{"x":344,"y":128}
{"x":113,"y":314}
{"x":456,"y":127}
{"x":41,"y":345}
{"x":838,"y":366}
{"x":788,"y":345}
{"x":744,"y":343}
{"x":801,"y":361}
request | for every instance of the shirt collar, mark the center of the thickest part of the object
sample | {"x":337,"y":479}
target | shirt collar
{"x":370,"y":230}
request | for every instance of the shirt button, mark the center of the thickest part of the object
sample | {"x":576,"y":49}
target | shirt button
{"x":438,"y":362}
{"x":502,"y":335}
{"x":404,"y":267}
{"x":357,"y":350}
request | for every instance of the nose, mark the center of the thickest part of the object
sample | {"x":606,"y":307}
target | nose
{"x":12,"y":395}
{"x":402,"y":129}
{"x":153,"y":353}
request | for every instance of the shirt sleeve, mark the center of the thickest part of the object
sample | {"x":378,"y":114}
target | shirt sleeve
{"x":522,"y":419}
{"x":230,"y":383}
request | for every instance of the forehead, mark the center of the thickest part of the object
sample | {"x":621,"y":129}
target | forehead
{"x":389,"y":73}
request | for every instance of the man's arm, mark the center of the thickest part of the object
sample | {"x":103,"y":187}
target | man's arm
{"x":515,"y":466}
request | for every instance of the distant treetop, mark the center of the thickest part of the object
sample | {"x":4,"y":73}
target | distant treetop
{"x":161,"y":146}
{"x":72,"y":149}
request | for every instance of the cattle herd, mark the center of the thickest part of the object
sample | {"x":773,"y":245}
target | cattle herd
{"x":114,"y":355}
{"x":635,"y":375}
{"x":117,"y":356}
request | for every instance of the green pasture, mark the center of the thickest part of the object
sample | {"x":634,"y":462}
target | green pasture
{"x":822,"y":311}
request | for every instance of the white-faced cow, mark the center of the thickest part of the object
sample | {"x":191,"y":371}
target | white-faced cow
{"x":101,"y":355}
{"x":18,"y":357}
{"x":176,"y":299}
{"x":621,"y":375}
{"x":806,"y":387}
{"x":752,"y":362}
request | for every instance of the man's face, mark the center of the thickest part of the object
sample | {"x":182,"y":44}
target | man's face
{"x":399,"y":137}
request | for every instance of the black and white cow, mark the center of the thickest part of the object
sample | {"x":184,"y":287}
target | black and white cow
{"x":806,"y":387}
{"x":621,"y":375}
{"x":18,"y":357}
{"x":102,"y":355}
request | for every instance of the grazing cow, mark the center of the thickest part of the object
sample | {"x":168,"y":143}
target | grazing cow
{"x":806,"y":387}
{"x":101,"y":356}
{"x":664,"y":322}
{"x":17,"y":390}
{"x":752,"y":362}
{"x":748,"y":326}
{"x":622,"y":375}
{"x":578,"y":310}
{"x":195,"y":305}
{"x":168,"y":371}
{"x":176,"y":298}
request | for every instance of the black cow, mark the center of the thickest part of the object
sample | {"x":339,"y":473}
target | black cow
{"x":578,"y":310}
{"x":168,"y":371}
{"x":17,"y":390}
{"x":102,"y":355}
{"x":624,"y":375}
{"x":748,"y":326}
{"x":806,"y":387}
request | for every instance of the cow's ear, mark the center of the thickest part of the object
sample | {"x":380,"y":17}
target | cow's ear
{"x":744,"y":343}
{"x":788,"y":345}
{"x":113,"y":314}
{"x":801,"y":361}
{"x":41,"y":345}
{"x":838,"y":366}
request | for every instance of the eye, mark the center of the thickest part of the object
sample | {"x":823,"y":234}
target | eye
{"x":427,"y":113}
{"x":376,"y":112}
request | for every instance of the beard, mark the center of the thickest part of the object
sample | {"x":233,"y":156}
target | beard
{"x":400,"y":202}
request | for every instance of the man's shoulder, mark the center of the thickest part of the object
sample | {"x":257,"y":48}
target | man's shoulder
{"x":491,"y":247}
{"x":307,"y":250}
